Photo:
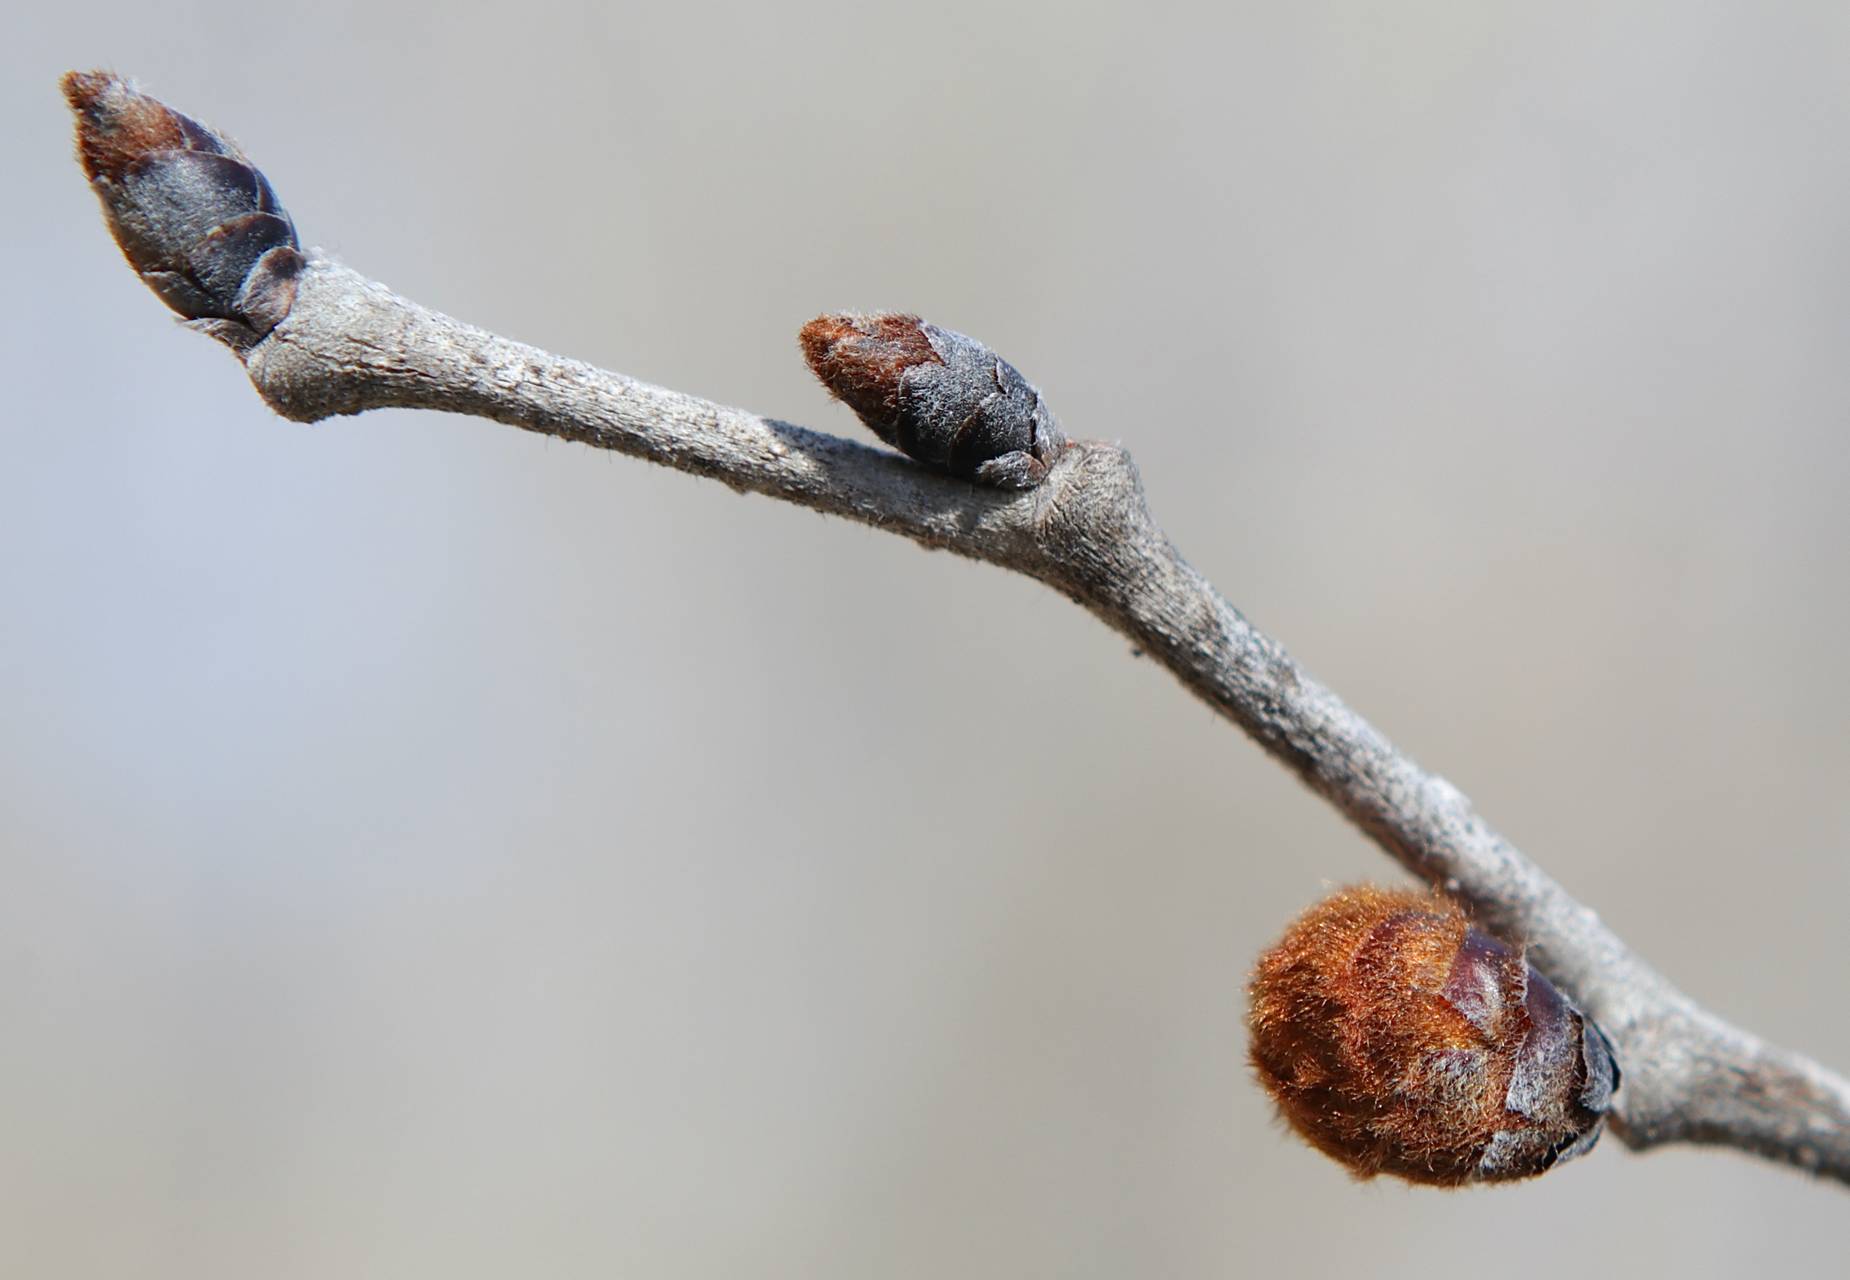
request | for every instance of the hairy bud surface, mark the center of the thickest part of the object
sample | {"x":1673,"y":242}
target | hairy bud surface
{"x":937,"y":396}
{"x":196,"y":220}
{"x":1397,"y":1038}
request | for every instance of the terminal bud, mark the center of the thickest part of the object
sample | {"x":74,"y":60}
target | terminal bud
{"x":193,"y":215}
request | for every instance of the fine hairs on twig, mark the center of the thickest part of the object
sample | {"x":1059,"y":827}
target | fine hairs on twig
{"x":1524,"y":1071}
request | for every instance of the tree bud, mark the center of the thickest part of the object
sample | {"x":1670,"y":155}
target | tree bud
{"x":1396,"y":1038}
{"x":937,"y":396}
{"x":194,"y":217}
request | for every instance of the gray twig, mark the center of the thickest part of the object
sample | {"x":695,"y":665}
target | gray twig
{"x":349,"y":344}
{"x":204,"y":229}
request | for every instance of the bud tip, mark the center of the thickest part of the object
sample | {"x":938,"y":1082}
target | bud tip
{"x":115,"y":124}
{"x":861,"y":358}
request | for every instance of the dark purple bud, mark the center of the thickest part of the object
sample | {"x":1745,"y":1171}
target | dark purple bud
{"x":192,"y":214}
{"x":1563,"y":1074}
{"x":939,"y":397}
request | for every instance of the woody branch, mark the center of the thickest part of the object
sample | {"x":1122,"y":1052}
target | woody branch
{"x":318,"y":339}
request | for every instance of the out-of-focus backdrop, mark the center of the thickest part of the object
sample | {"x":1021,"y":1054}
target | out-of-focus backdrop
{"x":430,"y":849}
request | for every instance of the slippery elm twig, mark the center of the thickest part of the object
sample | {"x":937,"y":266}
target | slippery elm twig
{"x":203,"y":228}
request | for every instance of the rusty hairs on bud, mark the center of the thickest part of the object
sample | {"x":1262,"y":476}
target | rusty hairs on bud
{"x":193,"y":215}
{"x":1397,"y":1038}
{"x":941,"y":398}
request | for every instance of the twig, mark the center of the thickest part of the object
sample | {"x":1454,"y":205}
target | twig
{"x":318,"y":339}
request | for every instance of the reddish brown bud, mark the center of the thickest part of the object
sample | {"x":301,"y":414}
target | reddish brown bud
{"x":937,"y":396}
{"x":1396,"y":1038}
{"x":194,"y":217}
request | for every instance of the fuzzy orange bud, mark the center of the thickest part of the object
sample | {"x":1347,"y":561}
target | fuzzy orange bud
{"x":1396,"y":1038}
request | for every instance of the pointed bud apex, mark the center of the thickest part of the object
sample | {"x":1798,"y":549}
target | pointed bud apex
{"x":194,"y":217}
{"x":1397,"y":1038}
{"x":937,"y":396}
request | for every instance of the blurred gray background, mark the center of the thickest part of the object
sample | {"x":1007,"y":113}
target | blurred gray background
{"x":432,"y":850}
